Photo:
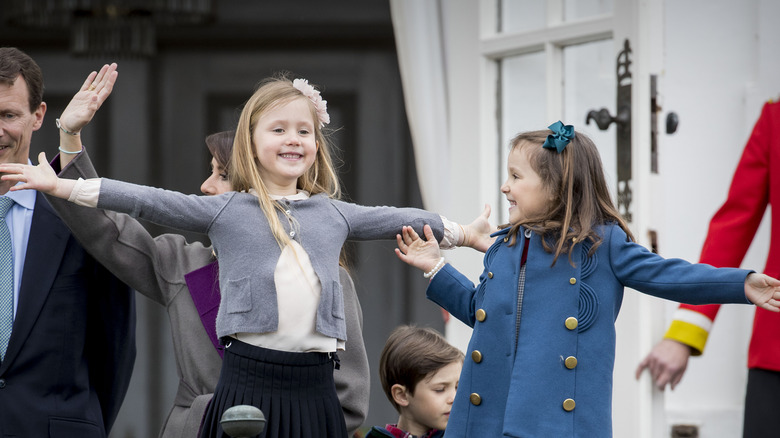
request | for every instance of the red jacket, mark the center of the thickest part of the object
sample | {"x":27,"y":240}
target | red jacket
{"x":756,"y":184}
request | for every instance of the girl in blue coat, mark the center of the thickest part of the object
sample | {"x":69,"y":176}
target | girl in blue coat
{"x":540,"y":359}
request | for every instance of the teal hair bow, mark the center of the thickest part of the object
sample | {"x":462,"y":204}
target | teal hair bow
{"x":561,"y":136}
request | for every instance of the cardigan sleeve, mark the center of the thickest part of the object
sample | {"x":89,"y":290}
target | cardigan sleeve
{"x":163,"y":207}
{"x":125,"y":247}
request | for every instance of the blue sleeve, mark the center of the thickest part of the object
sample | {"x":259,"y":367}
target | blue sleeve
{"x":454,"y":292}
{"x":673,"y":279}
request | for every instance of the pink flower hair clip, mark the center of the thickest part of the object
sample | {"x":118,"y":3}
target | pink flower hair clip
{"x":321,"y":105}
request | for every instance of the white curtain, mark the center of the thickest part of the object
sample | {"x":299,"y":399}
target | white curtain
{"x":422,"y":57}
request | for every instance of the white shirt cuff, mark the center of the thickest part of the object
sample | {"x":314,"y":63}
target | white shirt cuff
{"x":86,"y":192}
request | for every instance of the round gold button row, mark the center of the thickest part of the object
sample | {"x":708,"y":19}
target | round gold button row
{"x":568,"y":405}
{"x":481,"y":315}
{"x":475,"y":399}
{"x":571,"y":323}
{"x":570,"y":362}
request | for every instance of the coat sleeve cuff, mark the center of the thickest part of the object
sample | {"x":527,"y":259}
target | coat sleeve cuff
{"x":689,"y":334}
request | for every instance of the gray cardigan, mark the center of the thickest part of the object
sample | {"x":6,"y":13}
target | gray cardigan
{"x":156,"y":268}
{"x":248,"y":252}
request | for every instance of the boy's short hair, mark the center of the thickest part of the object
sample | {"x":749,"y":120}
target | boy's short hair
{"x":412,"y":353}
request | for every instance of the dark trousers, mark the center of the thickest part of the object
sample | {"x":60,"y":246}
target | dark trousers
{"x":762,"y":404}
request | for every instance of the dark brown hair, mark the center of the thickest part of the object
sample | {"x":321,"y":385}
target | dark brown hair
{"x":575,"y":182}
{"x":220,"y":145}
{"x":410,"y":355}
{"x":15,"y":63}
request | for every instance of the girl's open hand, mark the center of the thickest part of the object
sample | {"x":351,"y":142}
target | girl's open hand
{"x":413,"y":250}
{"x":41,"y":177}
{"x":478,"y":232}
{"x":763,"y":291}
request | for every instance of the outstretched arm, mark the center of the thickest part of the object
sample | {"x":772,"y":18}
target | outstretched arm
{"x":82,"y":107}
{"x":41,"y":177}
{"x":763,"y":291}
{"x":413,"y":250}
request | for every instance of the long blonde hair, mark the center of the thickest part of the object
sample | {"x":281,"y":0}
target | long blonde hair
{"x":581,"y":201}
{"x":245,"y":168}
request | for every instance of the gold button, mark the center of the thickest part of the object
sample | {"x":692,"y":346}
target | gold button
{"x":570,"y":362}
{"x":481,"y":315}
{"x":571,"y":323}
{"x":573,"y":280}
{"x":490,"y":275}
{"x":506,"y":239}
{"x":476,"y":356}
{"x":475,"y":399}
{"x":568,"y":405}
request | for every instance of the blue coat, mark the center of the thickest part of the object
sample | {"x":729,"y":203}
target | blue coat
{"x":542,"y":366}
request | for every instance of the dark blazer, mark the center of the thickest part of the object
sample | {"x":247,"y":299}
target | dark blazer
{"x":72,"y":348}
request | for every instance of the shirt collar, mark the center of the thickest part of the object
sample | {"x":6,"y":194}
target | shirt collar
{"x":400,"y":433}
{"x":301,"y":195}
{"x":25,"y":198}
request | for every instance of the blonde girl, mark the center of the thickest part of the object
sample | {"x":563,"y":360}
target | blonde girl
{"x":278,"y":237}
{"x":540,"y":359}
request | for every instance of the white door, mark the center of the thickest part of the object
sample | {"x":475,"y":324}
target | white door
{"x":714,"y":66}
{"x":719,"y":67}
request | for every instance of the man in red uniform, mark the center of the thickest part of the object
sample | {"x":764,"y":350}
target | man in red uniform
{"x":756,"y":184}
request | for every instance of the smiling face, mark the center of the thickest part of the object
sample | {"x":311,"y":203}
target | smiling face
{"x":527,"y":196}
{"x":285,"y":145}
{"x":17,"y":123}
{"x":430,"y":405}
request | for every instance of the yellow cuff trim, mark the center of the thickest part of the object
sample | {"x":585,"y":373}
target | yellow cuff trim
{"x":688,"y":334}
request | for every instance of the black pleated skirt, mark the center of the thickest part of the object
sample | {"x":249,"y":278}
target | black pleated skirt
{"x":295,"y":391}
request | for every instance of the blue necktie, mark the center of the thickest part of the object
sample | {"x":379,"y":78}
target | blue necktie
{"x":6,"y":278}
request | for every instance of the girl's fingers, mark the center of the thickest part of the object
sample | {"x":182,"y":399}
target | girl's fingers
{"x":401,"y":243}
{"x":401,"y":256}
{"x":428,"y":233}
{"x":486,"y":211}
{"x":409,"y":235}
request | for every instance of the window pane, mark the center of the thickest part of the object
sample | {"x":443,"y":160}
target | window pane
{"x":577,"y":9}
{"x":590,"y":83}
{"x":523,"y":105}
{"x":522,"y":15}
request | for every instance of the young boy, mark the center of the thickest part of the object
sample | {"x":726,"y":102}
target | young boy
{"x":419,"y":370}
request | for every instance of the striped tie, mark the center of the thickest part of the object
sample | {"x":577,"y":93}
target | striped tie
{"x":6,"y":278}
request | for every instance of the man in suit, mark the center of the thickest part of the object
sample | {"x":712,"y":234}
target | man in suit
{"x":69,"y":353}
